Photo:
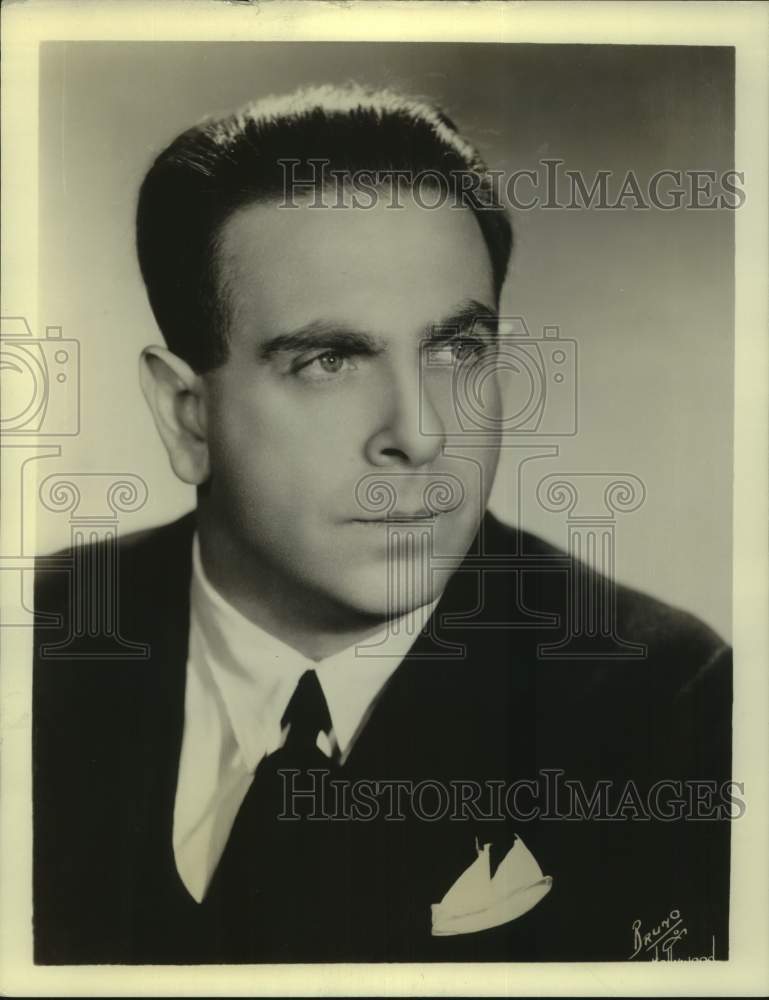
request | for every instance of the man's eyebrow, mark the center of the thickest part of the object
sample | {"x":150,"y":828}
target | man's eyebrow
{"x":319,"y":333}
{"x":471,"y":313}
{"x":339,"y":337}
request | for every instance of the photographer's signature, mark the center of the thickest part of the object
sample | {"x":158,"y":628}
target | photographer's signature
{"x":658,"y":942}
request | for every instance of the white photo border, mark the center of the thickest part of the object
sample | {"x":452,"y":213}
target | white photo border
{"x":25,"y":26}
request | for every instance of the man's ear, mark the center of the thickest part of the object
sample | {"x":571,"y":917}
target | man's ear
{"x":176,"y":396}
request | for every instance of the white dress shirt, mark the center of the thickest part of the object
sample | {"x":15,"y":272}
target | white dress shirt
{"x":239,"y":682}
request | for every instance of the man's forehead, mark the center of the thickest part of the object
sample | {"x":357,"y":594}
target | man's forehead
{"x":294,"y":266}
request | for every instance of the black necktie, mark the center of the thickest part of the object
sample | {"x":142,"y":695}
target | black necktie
{"x":271,"y":861}
{"x":307,"y":715}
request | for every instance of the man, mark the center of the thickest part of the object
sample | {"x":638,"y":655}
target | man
{"x":340,"y":623}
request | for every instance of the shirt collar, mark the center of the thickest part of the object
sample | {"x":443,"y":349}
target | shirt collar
{"x":256,"y":674}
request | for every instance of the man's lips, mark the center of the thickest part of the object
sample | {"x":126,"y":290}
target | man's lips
{"x":405,"y":498}
{"x":400,"y":517}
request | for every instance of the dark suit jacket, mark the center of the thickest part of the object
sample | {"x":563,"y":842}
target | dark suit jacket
{"x":107,"y":734}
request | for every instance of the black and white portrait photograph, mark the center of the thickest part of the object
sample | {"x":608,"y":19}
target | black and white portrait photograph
{"x":384,"y":535}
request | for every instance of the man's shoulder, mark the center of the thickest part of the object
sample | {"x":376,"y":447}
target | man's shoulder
{"x":638,"y":616}
{"x":111,"y":626}
{"x":145,"y":543}
{"x":151,"y":554}
{"x":645,"y":678}
{"x":115,"y":607}
{"x":607,"y":644}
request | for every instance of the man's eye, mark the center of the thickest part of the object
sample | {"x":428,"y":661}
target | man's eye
{"x":327,"y":363}
{"x":331,"y":362}
{"x":468,"y":347}
{"x":452,"y":351}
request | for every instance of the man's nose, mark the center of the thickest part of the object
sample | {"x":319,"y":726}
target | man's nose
{"x":412,"y":432}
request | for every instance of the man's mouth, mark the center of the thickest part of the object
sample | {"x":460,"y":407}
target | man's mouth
{"x":400,"y":517}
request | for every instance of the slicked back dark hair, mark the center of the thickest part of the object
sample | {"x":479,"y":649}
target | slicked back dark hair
{"x":224,"y":163}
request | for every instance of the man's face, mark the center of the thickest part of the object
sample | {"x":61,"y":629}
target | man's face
{"x":350,"y":332}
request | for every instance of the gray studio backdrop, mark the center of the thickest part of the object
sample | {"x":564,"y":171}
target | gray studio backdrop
{"x":647,"y":295}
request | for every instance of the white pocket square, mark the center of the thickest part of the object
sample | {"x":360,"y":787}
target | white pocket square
{"x":478,"y":901}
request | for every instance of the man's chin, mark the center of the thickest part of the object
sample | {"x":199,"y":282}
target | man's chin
{"x":381,"y":600}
